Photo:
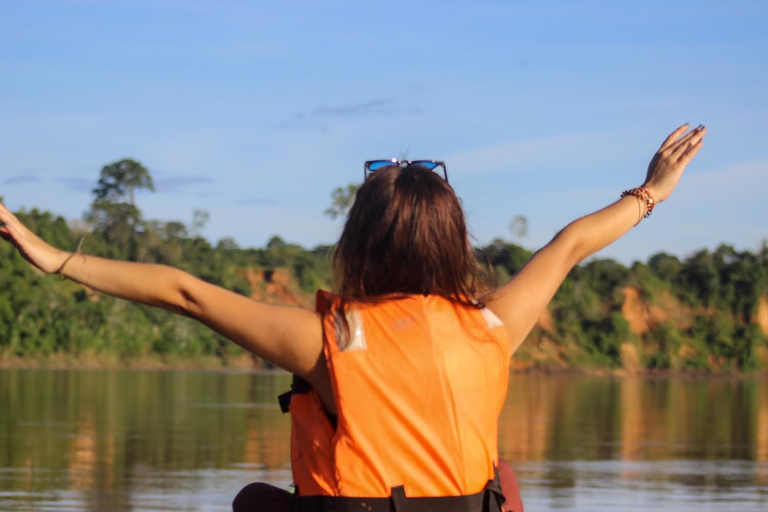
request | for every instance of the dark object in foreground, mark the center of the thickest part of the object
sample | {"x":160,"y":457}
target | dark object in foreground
{"x":264,"y":497}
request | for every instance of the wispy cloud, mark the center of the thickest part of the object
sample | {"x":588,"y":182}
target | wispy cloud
{"x":22,"y":178}
{"x":301,"y":121}
{"x":257,"y":201}
{"x":316,"y":118}
{"x":77,"y":184}
{"x":207,"y":193}
{"x":169,"y":184}
{"x":180,"y":183}
{"x":378,"y":106}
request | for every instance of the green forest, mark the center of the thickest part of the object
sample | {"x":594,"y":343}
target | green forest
{"x":705,"y":312}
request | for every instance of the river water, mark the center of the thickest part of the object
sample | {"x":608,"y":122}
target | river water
{"x":172,"y":440}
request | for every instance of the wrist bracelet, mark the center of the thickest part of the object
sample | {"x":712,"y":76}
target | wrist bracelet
{"x":71,"y":255}
{"x":642,"y":194}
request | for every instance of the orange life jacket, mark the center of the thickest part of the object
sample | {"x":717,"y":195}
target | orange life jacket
{"x":419,"y":383}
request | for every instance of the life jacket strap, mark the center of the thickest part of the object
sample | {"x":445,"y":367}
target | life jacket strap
{"x":298,"y":385}
{"x":490,"y":499}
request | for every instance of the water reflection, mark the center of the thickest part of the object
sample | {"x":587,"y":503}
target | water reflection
{"x":621,"y":443}
{"x":101,"y":440}
{"x":130,"y":440}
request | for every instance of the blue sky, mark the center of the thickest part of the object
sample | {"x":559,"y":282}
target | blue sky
{"x":256,"y":111}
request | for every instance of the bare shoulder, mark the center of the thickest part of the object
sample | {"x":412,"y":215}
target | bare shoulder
{"x":519,"y":302}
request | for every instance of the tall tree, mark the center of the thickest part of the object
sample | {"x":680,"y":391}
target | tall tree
{"x":341,"y":200}
{"x":119,"y":180}
{"x":200,"y":219}
{"x":113,"y":211}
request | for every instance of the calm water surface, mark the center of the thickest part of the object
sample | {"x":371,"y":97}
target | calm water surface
{"x":131,"y":440}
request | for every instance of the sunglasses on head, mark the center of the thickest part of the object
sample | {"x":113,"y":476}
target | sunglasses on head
{"x":372,"y":166}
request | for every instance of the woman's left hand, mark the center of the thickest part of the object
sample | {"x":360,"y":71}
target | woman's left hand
{"x":669,"y":162}
{"x":30,"y":246}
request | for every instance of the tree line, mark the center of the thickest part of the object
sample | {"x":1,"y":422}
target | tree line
{"x":706,"y":308}
{"x":710,"y":298}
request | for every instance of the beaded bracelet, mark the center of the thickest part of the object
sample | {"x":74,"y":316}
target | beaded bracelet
{"x":643,"y":195}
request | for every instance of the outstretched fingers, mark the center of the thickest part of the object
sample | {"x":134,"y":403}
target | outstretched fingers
{"x":11,"y":230}
{"x":5,"y":214}
{"x":687,"y":142}
{"x":5,"y":219}
{"x":30,"y":246}
{"x":668,"y":164}
{"x":673,"y":137}
{"x":689,"y":153}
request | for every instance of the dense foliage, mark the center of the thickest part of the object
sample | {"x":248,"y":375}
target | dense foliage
{"x":698,"y":313}
{"x":42,"y":314}
{"x":701,"y":311}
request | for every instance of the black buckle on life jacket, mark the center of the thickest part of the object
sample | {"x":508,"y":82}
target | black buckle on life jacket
{"x":298,"y":385}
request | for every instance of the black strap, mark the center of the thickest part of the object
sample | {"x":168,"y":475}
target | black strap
{"x":489,"y":499}
{"x":399,"y":499}
{"x":298,"y":385}
{"x":493,"y":498}
{"x":285,"y":401}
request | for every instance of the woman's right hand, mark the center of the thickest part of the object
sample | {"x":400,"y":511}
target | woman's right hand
{"x":30,"y":246}
{"x":670,"y":160}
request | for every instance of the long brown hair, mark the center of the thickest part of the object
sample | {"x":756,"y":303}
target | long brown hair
{"x":406,"y":234}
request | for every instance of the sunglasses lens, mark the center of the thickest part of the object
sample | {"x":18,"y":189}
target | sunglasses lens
{"x":425,"y":163}
{"x":378,"y":164}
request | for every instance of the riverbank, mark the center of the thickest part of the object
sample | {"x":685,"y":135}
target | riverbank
{"x":707,"y":313}
{"x":246,"y":362}
{"x":243,"y":362}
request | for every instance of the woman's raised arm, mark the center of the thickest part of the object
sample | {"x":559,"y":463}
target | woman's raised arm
{"x":519,"y":302}
{"x":289,"y":337}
